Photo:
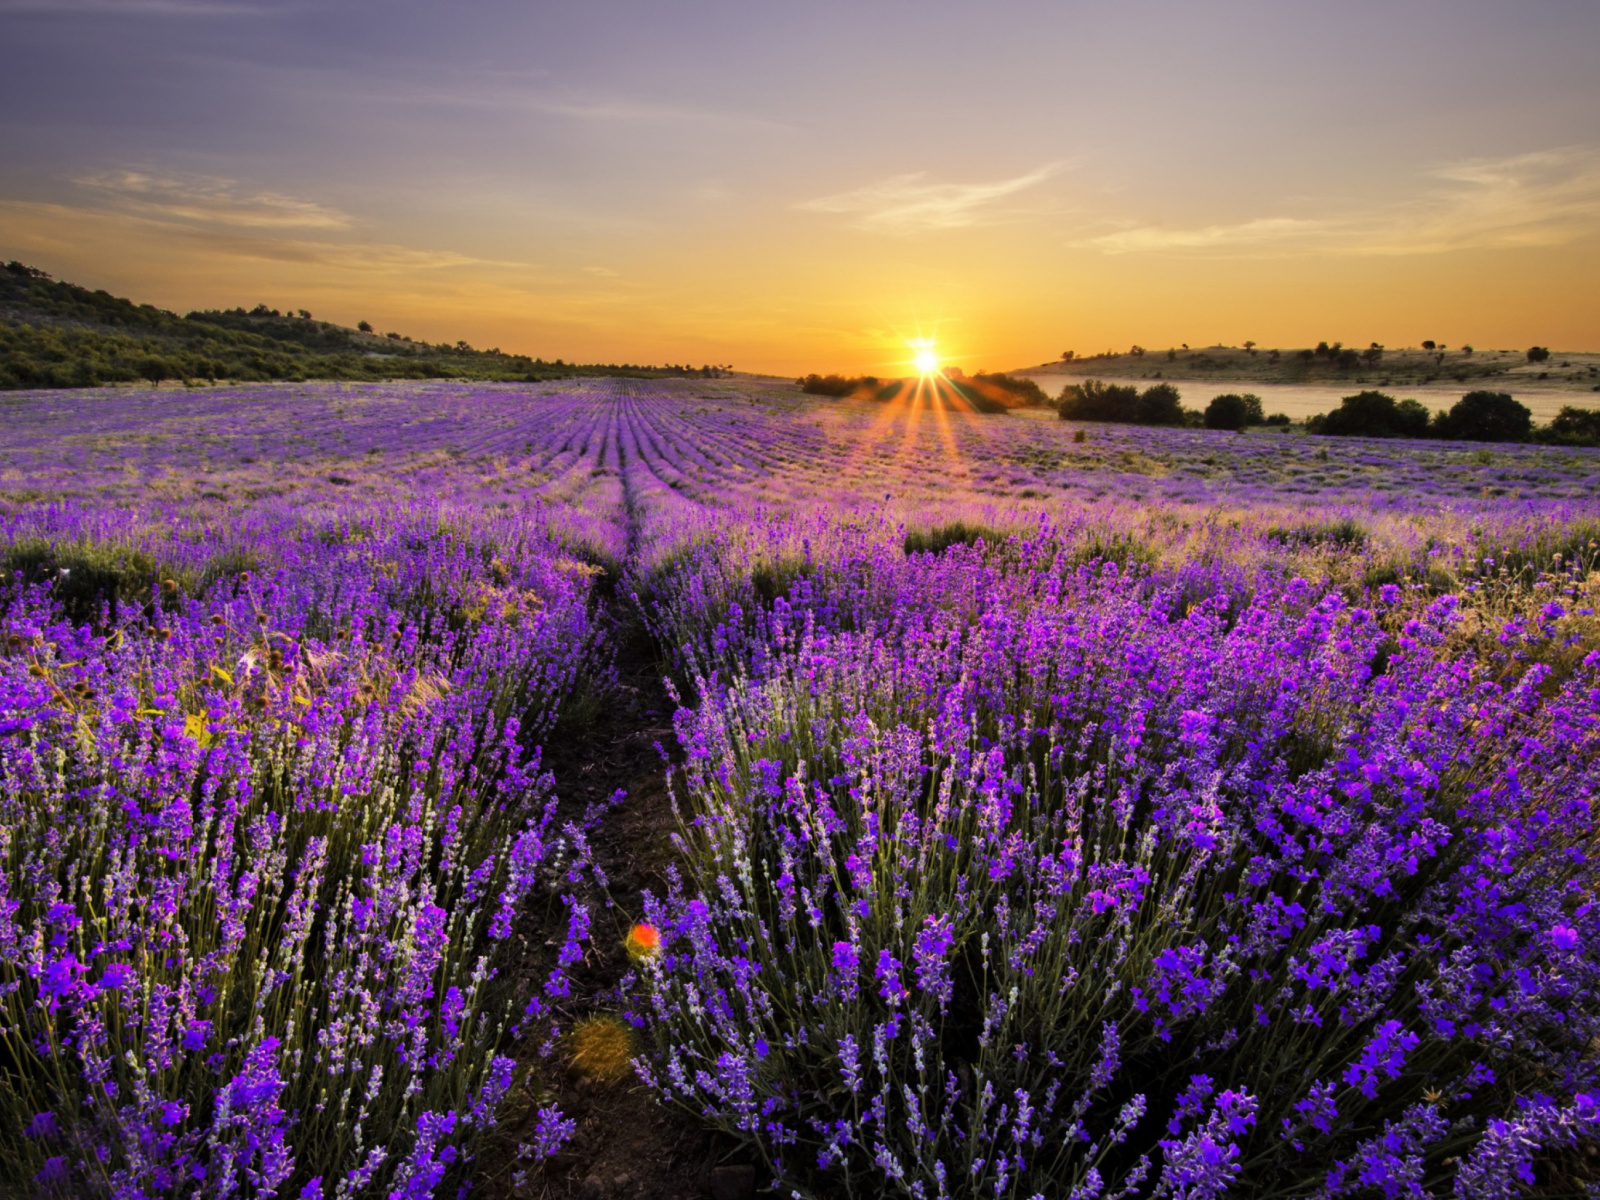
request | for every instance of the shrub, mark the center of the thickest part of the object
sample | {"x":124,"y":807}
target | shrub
{"x":1485,"y":416}
{"x":1094,"y":400}
{"x":1373,"y":414}
{"x":1573,"y":427}
{"x":258,"y":898}
{"x":1538,"y":354}
{"x":832,"y":385}
{"x":953,"y":533}
{"x":1024,"y":393}
{"x":1232,"y":411}
{"x":1160,"y":405}
{"x":1344,"y":534}
{"x":1056,"y":891}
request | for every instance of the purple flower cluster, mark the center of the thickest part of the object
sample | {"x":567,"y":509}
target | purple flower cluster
{"x":990,"y":839}
{"x":1168,"y":813}
{"x":263,"y":848}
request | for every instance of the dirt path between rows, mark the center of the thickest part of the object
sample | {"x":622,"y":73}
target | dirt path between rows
{"x":627,"y":1146}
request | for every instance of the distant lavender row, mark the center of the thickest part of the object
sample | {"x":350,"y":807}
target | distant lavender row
{"x":591,"y":446}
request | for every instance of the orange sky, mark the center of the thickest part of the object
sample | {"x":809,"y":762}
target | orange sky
{"x":807,"y":190}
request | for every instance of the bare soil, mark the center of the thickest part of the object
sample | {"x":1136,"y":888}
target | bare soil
{"x":627,"y":1146}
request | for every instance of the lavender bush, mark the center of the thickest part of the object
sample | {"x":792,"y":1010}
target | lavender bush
{"x":1165,"y":813}
{"x":261,"y":852}
{"x":1012,"y":874}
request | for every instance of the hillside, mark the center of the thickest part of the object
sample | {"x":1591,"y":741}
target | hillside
{"x":57,"y":334}
{"x":1339,"y":365}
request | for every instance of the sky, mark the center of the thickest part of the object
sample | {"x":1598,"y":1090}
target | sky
{"x":795,"y":187}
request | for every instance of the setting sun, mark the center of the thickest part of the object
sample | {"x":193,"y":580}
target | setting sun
{"x":925,"y":358}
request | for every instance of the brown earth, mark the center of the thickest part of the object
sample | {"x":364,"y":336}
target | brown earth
{"x":627,"y":1145}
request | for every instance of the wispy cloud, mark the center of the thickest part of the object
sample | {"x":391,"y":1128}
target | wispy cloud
{"x":1545,"y":198}
{"x":211,"y":201}
{"x":904,"y":204}
{"x":133,"y":8}
{"x":356,"y":256}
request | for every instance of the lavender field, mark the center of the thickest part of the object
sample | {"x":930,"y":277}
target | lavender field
{"x":1061,"y":810}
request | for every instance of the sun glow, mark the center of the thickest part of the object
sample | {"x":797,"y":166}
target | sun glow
{"x":925,"y":358}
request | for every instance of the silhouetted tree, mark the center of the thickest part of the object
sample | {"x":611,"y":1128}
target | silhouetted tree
{"x":1538,"y":354}
{"x":1160,"y":405}
{"x":1485,"y":417}
{"x":1573,"y":427}
{"x":1373,"y":414}
{"x":1234,"y":411}
{"x":1095,"y":400}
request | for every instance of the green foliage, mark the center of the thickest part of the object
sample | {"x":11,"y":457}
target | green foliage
{"x":1344,"y":534}
{"x":1234,"y":411}
{"x":835,"y":385}
{"x":1123,"y":549}
{"x":1373,"y":414}
{"x":982,"y":399}
{"x":1095,"y":400}
{"x":1026,"y":392}
{"x":1485,"y":416}
{"x":953,"y":533}
{"x":55,"y":334}
{"x":1573,"y":427}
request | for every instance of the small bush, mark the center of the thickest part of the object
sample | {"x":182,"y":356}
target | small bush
{"x":1485,"y":416}
{"x":1094,"y":400}
{"x":1017,"y":392}
{"x":835,"y":385}
{"x":1233,"y":411}
{"x":1373,"y":414}
{"x":953,"y":533}
{"x":1573,"y":427}
{"x":1344,"y":534}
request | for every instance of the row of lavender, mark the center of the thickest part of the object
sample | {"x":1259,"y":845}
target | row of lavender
{"x":688,"y":446}
{"x":1013,"y":873}
{"x":267,"y":828}
{"x":1090,"y":848}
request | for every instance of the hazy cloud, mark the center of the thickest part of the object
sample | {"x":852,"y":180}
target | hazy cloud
{"x":133,"y":8}
{"x":912,"y":204}
{"x":211,"y":201}
{"x":1546,"y":198}
{"x":369,"y":257}
{"x":60,"y":228}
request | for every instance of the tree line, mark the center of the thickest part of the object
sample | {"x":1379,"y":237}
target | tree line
{"x":55,"y":334}
{"x":1479,"y":416}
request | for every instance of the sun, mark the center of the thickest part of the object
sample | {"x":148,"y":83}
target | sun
{"x":925,"y":358}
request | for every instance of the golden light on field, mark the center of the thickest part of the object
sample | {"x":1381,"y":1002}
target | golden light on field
{"x":924,"y":357}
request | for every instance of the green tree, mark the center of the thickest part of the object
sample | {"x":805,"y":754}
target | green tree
{"x":1373,"y":414}
{"x":1234,"y":411}
{"x":1485,"y":416}
{"x":1095,"y":400}
{"x":155,"y":369}
{"x":1160,"y":405}
{"x":1573,"y":427}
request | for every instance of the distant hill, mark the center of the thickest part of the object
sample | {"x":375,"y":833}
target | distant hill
{"x":56,"y":334}
{"x":1333,"y":363}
